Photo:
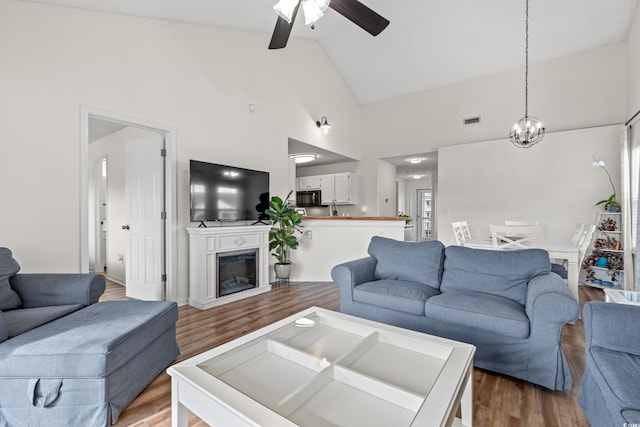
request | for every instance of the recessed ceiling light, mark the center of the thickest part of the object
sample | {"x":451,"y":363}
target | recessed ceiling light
{"x":416,"y":160}
{"x":417,"y":176}
{"x":303,"y":158}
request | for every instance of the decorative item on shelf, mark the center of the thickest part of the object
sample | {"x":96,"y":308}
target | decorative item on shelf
{"x":607,"y":243}
{"x":602,"y":262}
{"x":529,"y":130}
{"x":610,"y":204}
{"x":608,"y":224}
{"x":282,"y":237}
{"x":614,"y":265}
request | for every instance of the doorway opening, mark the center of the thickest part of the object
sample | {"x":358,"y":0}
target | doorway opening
{"x":164,"y":260}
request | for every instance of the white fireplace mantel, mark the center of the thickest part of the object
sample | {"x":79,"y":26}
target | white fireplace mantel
{"x":206,"y":243}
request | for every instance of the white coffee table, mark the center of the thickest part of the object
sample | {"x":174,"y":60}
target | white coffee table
{"x":622,"y":297}
{"x":321,"y":368}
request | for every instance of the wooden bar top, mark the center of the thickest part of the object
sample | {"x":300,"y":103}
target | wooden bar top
{"x":365,"y":218}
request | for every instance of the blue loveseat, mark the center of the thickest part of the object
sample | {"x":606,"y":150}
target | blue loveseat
{"x":610,"y":387}
{"x":506,"y":303}
{"x":68,"y":360}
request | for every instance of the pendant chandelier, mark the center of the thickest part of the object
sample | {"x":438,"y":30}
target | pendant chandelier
{"x":529,"y":130}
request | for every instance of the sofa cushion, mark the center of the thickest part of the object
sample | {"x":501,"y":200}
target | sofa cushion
{"x":24,"y":319}
{"x":618,"y":372}
{"x":500,"y":273}
{"x":89,"y":343}
{"x":399,"y":295}
{"x":420,"y":262}
{"x":481,"y":311}
{"x":8,"y":267}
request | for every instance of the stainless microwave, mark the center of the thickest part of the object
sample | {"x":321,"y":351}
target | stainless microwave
{"x":308,"y":198}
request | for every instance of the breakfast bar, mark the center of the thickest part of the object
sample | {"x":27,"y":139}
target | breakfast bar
{"x":330,"y":240}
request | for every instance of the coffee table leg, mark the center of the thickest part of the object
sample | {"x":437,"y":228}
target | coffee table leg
{"x":467,"y":401}
{"x":179,"y":412}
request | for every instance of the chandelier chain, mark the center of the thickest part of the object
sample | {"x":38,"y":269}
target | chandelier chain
{"x":526,"y":61}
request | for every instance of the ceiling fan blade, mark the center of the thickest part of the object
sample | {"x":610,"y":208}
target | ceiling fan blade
{"x":361,"y":15}
{"x":282,"y":31}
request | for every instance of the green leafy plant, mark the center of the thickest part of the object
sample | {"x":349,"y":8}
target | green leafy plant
{"x":407,"y":218}
{"x":615,"y":264}
{"x":285,"y":224}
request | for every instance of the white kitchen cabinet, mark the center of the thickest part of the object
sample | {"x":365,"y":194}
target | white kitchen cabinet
{"x":304,"y":183}
{"x":339,"y":187}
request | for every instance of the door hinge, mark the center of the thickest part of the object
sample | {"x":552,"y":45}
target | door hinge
{"x":163,"y":215}
{"x":163,"y":152}
{"x":164,"y":277}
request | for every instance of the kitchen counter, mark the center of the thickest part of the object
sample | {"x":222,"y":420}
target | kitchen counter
{"x":327,"y":241}
{"x":366,"y":218}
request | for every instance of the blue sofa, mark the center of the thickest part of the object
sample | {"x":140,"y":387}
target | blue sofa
{"x":610,"y":387}
{"x":67,"y":360}
{"x":506,"y":303}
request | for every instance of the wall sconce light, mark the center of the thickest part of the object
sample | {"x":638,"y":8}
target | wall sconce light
{"x":323,"y":124}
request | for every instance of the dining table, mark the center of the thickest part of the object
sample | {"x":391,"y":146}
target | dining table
{"x":557,"y":249}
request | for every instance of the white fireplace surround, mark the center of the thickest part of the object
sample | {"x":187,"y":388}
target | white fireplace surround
{"x":204,"y":246}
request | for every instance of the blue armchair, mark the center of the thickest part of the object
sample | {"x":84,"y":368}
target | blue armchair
{"x":610,"y":388}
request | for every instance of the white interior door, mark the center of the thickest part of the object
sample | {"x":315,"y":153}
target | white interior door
{"x":143,"y":193}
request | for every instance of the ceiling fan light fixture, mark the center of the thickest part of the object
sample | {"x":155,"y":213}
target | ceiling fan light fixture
{"x":313,"y":10}
{"x":286,"y":8}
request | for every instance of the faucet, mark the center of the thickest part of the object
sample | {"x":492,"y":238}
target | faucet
{"x":333,"y":208}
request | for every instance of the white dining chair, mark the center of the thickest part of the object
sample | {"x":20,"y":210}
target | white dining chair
{"x":457,"y":232}
{"x":583,"y":242}
{"x":512,"y":236}
{"x":461,"y":232}
{"x":577,"y":233}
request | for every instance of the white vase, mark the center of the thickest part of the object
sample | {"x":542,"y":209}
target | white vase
{"x":282,"y":269}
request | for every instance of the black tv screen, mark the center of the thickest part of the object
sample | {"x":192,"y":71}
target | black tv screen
{"x":227,"y":193}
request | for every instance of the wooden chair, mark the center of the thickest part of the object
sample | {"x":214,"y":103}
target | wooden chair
{"x":513,"y":237}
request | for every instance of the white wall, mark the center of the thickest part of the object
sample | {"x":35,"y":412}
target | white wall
{"x":198,"y":79}
{"x":553,"y":182}
{"x":386,"y":189}
{"x":574,"y":92}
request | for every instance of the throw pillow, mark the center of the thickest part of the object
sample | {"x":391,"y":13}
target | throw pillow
{"x":420,"y":262}
{"x":8,"y":267}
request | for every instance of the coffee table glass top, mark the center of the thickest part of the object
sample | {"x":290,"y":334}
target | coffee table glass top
{"x":319,"y":370}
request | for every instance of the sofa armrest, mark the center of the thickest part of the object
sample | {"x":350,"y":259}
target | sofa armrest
{"x":40,"y":290}
{"x":550,"y":300}
{"x":4,"y":330}
{"x":612,"y":326}
{"x":350,"y":274}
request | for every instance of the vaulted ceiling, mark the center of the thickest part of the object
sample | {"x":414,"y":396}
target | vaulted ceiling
{"x":429,"y":43}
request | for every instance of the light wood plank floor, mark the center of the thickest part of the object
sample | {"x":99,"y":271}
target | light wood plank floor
{"x":498,"y":400}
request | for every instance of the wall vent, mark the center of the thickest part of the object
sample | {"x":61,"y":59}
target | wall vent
{"x":471,"y":120}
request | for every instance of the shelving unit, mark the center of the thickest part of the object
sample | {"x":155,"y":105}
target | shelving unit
{"x":609,"y":232}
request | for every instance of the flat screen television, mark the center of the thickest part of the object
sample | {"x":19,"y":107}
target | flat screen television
{"x":227,"y":193}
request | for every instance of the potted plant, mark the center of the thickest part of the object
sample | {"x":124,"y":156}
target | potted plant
{"x":407,"y":218}
{"x":610,"y":204}
{"x":282,"y":239}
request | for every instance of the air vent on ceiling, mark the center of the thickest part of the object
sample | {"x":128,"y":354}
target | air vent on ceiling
{"x":471,"y":120}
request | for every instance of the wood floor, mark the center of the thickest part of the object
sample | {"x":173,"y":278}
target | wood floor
{"x":498,"y":400}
